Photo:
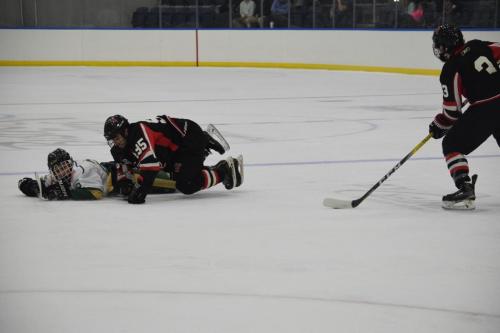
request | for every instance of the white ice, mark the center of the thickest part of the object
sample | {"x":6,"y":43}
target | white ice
{"x":266,"y":257}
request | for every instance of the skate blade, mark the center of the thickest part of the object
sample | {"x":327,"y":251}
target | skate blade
{"x":240,"y":170}
{"x":214,"y":132}
{"x":229,"y":160}
{"x":460,"y":205}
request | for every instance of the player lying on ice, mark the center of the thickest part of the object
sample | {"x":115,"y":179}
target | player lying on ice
{"x":178,"y":146}
{"x":470,"y":70}
{"x":86,"y":179}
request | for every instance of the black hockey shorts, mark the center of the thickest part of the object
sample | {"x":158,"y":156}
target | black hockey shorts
{"x":189,"y":160}
{"x":476,"y":125}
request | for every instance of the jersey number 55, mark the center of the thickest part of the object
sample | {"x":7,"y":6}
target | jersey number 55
{"x":140,"y":147}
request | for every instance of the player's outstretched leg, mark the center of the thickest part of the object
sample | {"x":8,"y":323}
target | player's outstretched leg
{"x":464,"y":198}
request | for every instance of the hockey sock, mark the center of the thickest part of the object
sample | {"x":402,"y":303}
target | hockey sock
{"x":458,"y":167}
{"x":211,"y":177}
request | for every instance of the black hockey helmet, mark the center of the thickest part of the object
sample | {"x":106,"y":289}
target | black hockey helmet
{"x":445,"y":40}
{"x":60,"y":165}
{"x":57,"y":156}
{"x":115,"y":125}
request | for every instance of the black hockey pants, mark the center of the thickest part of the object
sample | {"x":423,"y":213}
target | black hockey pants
{"x":188,"y":160}
{"x":476,"y":125}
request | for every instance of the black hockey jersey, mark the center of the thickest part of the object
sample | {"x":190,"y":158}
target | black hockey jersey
{"x":151,"y":146}
{"x":472,"y":72}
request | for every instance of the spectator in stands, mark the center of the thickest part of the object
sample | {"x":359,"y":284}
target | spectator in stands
{"x":343,"y":14}
{"x":416,"y":12}
{"x":412,"y":15}
{"x":279,"y":14}
{"x":247,"y":15}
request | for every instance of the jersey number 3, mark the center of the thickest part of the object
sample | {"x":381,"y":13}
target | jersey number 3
{"x":446,"y":94}
{"x":140,"y":146}
{"x":484,"y":63}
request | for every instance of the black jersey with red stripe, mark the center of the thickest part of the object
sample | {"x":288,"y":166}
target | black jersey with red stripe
{"x":471,"y":72}
{"x":151,"y":145}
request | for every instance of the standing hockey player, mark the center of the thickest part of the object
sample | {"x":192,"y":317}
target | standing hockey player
{"x":85,"y":179}
{"x":178,"y":146}
{"x":470,"y":70}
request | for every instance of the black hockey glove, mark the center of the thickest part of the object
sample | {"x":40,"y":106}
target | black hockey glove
{"x":121,"y":177}
{"x":57,"y":191}
{"x":439,"y":126}
{"x":137,"y":196}
{"x":28,"y":186}
{"x":125,"y":186}
{"x":437,"y":132}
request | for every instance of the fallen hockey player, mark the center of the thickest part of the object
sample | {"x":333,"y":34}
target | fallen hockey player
{"x":86,"y":179}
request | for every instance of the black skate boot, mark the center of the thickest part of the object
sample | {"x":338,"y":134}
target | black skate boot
{"x":225,"y":168}
{"x":236,"y":173}
{"x":213,"y":144}
{"x":463,"y":198}
{"x":238,"y":168}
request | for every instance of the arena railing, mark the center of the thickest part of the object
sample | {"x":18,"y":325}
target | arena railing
{"x":224,"y":14}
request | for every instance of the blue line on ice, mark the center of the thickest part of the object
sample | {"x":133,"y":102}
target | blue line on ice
{"x":270,"y":164}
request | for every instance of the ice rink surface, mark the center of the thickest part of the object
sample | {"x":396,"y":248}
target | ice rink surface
{"x":266,"y":257}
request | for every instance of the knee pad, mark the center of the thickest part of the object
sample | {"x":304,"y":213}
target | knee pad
{"x":187,"y":187}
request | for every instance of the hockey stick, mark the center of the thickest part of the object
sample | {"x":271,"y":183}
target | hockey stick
{"x":38,"y":179}
{"x":62,"y":193}
{"x":340,"y":204}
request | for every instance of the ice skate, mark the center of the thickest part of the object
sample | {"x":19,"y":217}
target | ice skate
{"x":234,"y":175}
{"x":230,"y":179}
{"x":225,"y":167}
{"x":215,"y":140}
{"x":463,"y":199}
{"x":238,"y":167}
{"x":213,"y":144}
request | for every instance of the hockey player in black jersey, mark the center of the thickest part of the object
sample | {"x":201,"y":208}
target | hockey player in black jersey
{"x":470,"y":70}
{"x":178,"y":146}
